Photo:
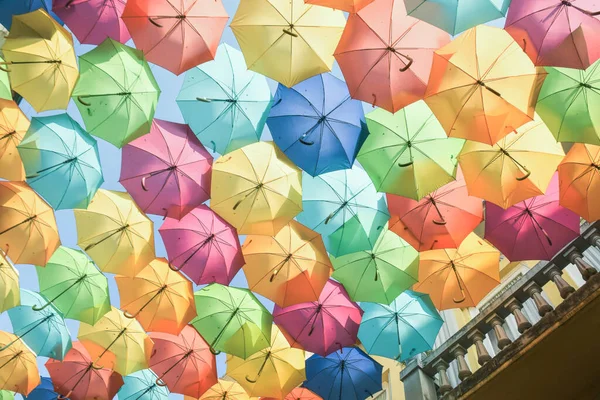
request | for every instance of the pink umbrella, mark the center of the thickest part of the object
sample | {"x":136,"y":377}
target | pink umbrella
{"x":322,"y":326}
{"x":203,"y":246}
{"x":92,"y":21}
{"x":167,"y":172}
{"x":534,"y":229}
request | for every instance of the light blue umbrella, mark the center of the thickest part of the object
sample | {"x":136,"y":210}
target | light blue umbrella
{"x":405,"y":328}
{"x":142,"y":385}
{"x":43,"y":391}
{"x":224,"y":103}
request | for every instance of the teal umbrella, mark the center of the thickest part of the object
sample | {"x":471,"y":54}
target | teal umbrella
{"x":142,"y":385}
{"x":224,"y":103}
{"x":405,"y":328}
{"x":61,"y":161}
{"x":44,"y":331}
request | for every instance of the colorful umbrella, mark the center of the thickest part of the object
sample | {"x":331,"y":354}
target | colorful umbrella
{"x":386,"y":56}
{"x":115,"y":233}
{"x":232,"y":320}
{"x":117,"y":93}
{"x":257,"y":189}
{"x":5,"y":91}
{"x":8,"y":395}
{"x":18,"y":368}
{"x":485,"y":99}
{"x":224,"y":390}
{"x":10,"y":292}
{"x":142,"y":385}
{"x":11,"y":8}
{"x":405,"y":328}
{"x":272,"y":35}
{"x":350,"y":6}
{"x":298,"y":393}
{"x":43,"y":391}
{"x":167,"y":172}
{"x":289,"y":268}
{"x":13,"y":126}
{"x":408,"y":153}
{"x":40,"y":60}
{"x":317,"y":125}
{"x":322,"y":326}
{"x":203,"y":246}
{"x":579,"y":181}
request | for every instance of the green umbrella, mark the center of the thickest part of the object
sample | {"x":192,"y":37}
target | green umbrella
{"x":5,"y":92}
{"x":74,"y":285}
{"x":232,"y":320}
{"x":381,"y":274}
{"x":408,"y":153}
{"x":6,"y":395}
{"x":116,"y":93}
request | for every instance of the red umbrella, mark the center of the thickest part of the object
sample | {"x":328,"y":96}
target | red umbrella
{"x":183,"y":363}
{"x":299,"y":393}
{"x":322,"y":326}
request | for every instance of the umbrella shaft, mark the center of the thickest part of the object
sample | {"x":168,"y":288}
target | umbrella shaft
{"x":17,"y":354}
{"x":218,"y":337}
{"x":155,"y":295}
{"x":121,"y":229}
{"x":148,"y":389}
{"x":85,"y":372}
{"x":183,"y":358}
{"x":110,"y":345}
{"x":40,"y":322}
{"x":260,"y":370}
{"x":204,"y":243}
{"x":60,"y":294}
{"x":19,"y":224}
{"x":7,"y":135}
{"x":31,"y":62}
{"x":70,"y":160}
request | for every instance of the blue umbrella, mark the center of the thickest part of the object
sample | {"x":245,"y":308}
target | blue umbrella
{"x":43,"y":391}
{"x":347,"y":374}
{"x":16,"y":7}
{"x":317,"y":125}
{"x":142,"y":385}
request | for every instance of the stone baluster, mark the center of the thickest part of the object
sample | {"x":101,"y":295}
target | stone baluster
{"x":442,"y":366}
{"x":594,"y":239}
{"x":535,"y":292}
{"x":584,"y":268}
{"x":458,"y":352}
{"x":496,"y":322}
{"x":514,"y":307}
{"x":563,"y":287}
{"x":482,"y":354}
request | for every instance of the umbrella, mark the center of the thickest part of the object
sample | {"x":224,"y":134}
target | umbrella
{"x":13,"y":126}
{"x":386,"y":56}
{"x":11,"y":8}
{"x":346,"y":374}
{"x":289,"y":268}
{"x":92,"y":21}
{"x":225,"y":104}
{"x":203,"y":246}
{"x":183,"y":363}
{"x":77,"y":378}
{"x":272,"y":34}
{"x":43,"y":391}
{"x":516,"y":168}
{"x":273,"y":371}
{"x":28,"y":231}
{"x":115,"y":233}
{"x":232,"y":320}
{"x":459,"y":277}
{"x":61,"y":161}
{"x":142,"y":385}
{"x":117,"y":342}
{"x":483,"y":100}
{"x":10,"y":295}
{"x":345,"y":208}
{"x":408,"y":153}
{"x":18,"y":368}
{"x":40,"y":60}
{"x":224,"y":390}
{"x":73,"y":285}
{"x":257,"y":189}
{"x":7,"y":395}
{"x":405,"y":328}
{"x":322,"y":326}
{"x":443,"y":219}
{"x":5,"y":91}
{"x":317,"y":125}
{"x":556,"y":33}
{"x":117,"y":93}
{"x":579,"y":181}
{"x":381,"y":274}
{"x":351,"y":6}
{"x":298,"y":393}
{"x":162,"y":300}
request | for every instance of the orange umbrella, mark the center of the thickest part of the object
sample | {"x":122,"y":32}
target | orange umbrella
{"x":18,"y":368}
{"x":13,"y":126}
{"x":351,"y":6}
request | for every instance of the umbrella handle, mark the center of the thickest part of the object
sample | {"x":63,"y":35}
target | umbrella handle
{"x":204,"y":99}
{"x":305,"y":142}
{"x":463,"y":298}
{"x":174,"y":268}
{"x":407,"y":66}
{"x":376,"y":274}
{"x":406,"y":165}
{"x":154,"y":23}
{"x":36,"y":308}
{"x":277,"y":103}
{"x":369,"y":393}
{"x":439,"y":222}
{"x":79,"y":99}
{"x":4,"y":68}
{"x":128,"y":315}
{"x":522,"y":178}
{"x":524,"y":45}
{"x":97,"y":366}
{"x":215,"y":352}
{"x":273,"y":275}
{"x":250,"y":380}
{"x":65,"y":397}
{"x":289,"y":32}
{"x":160,"y":382}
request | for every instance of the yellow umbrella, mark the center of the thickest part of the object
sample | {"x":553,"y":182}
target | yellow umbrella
{"x":115,"y":233}
{"x":18,"y":368}
{"x":9,"y":284}
{"x":224,"y":390}
{"x":256,"y":188}
{"x":288,"y":41}
{"x":41,"y":61}
{"x":271,"y":372}
{"x":13,"y":126}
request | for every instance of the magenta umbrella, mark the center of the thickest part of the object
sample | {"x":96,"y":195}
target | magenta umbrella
{"x":322,"y":326}
{"x":203,"y":246}
{"x":534,"y":229}
{"x":167,"y":172}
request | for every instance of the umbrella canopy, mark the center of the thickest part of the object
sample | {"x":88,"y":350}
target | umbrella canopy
{"x":289,"y":268}
{"x":11,"y":8}
{"x":232,"y":320}
{"x":115,"y":233}
{"x":167,"y":172}
{"x":43,"y":391}
{"x":483,"y":100}
{"x":257,"y":189}
{"x":10,"y":293}
{"x":350,"y":6}
{"x":61,"y":161}
{"x":117,"y":93}
{"x":381,"y":274}
{"x":273,"y":371}
{"x":28,"y":231}
{"x":203,"y":246}
{"x":271,"y":34}
{"x":579,"y":181}
{"x":73,"y":285}
{"x":408,"y":153}
{"x":386,"y":56}
{"x":317,"y":125}
{"x":141,"y":385}
{"x":516,"y":168}
{"x":347,"y":374}
{"x":322,"y":326}
{"x":5,"y":91}
{"x":345,"y":208}
{"x":224,"y":390}
{"x":40,"y":60}
{"x":177,"y":35}
{"x":298,"y":393}
{"x":401,"y":330}
{"x":459,"y":277}
{"x":18,"y":368}
{"x":13,"y":126}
